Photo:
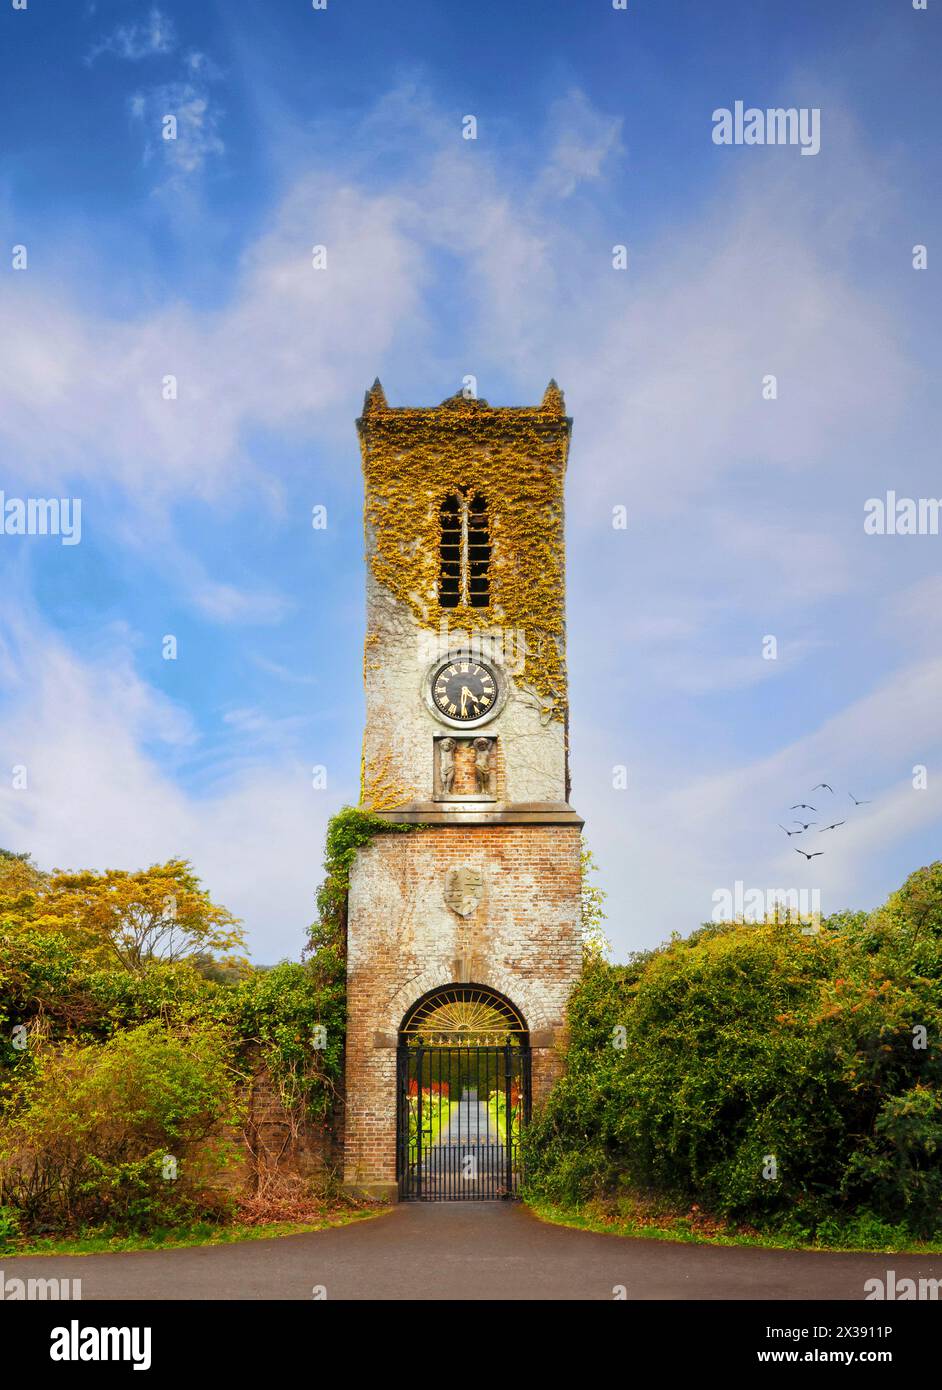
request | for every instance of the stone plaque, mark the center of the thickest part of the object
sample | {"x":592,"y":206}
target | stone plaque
{"x":463,"y":889}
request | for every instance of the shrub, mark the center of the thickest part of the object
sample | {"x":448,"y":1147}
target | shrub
{"x":9,"y":1226}
{"x":91,"y":1126}
{"x":899,"y":1169}
{"x":159,"y":913}
{"x":767,"y":1074}
{"x":99,"y":1034}
{"x":281,"y":1012}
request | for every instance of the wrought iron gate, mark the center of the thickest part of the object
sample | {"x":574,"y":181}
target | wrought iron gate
{"x":460,"y":1113}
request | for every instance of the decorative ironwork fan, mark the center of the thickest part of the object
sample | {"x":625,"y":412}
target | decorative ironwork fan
{"x":464,"y":1014}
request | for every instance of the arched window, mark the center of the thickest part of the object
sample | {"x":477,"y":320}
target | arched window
{"x":465,"y":553}
{"x":479,"y":553}
{"x":449,"y":582}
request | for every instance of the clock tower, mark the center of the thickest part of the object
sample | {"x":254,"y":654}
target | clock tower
{"x":464,"y":937}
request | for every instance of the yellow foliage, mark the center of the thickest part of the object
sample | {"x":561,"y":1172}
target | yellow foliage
{"x":380,"y":791}
{"x":160,"y":912}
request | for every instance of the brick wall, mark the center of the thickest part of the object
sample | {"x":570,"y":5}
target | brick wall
{"x":276,"y":1146}
{"x":280,"y":1139}
{"x":523,"y":940}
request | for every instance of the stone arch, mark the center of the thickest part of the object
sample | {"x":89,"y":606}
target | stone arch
{"x":464,"y":1077}
{"x":521,"y":993}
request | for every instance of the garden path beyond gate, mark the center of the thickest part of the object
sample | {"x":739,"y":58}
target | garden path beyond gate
{"x":463,"y":1098}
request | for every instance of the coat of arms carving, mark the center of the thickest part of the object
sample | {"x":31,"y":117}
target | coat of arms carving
{"x":463,"y":889}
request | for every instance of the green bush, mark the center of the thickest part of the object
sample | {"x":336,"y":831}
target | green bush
{"x":295,"y":1015}
{"x":127,"y":1134}
{"x":899,"y":1169}
{"x":78,"y":1028}
{"x":767,"y":1074}
{"x":9,"y":1227}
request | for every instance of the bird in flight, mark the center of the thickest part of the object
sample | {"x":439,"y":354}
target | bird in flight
{"x":804,"y":824}
{"x":856,"y":802}
{"x":832,"y":827}
{"x":825,"y":786}
{"x":803,"y":806}
{"x":816,"y":855}
{"x":788,"y":832}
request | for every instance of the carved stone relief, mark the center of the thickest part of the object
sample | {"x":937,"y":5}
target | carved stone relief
{"x":463,"y":889}
{"x":465,"y":769}
{"x":483,"y":772}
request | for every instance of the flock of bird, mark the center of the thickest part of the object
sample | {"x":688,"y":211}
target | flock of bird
{"x":806,"y":825}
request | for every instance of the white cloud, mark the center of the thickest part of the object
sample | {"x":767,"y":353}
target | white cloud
{"x":195,"y":138}
{"x":667,"y":392}
{"x":676,"y":835}
{"x":103,"y":753}
{"x":224,"y":603}
{"x":83,"y":394}
{"x":200,"y":64}
{"x":282,"y":672}
{"x":797,"y":556}
{"x":585,"y":139}
{"x":914,"y":615}
{"x":255,"y":723}
{"x":152,"y":37}
{"x":705,"y":666}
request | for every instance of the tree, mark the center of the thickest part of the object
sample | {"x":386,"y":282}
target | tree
{"x":20,"y":882}
{"x":159,"y":913}
{"x":786,"y":1079}
{"x":910,"y":922}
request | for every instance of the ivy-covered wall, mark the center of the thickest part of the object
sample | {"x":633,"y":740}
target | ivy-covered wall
{"x":412,"y":460}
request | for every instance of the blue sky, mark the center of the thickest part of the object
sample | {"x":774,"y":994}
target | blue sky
{"x":493,"y":257}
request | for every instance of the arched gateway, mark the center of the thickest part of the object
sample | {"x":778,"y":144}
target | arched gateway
{"x":463,"y":929}
{"x":463,"y":1087}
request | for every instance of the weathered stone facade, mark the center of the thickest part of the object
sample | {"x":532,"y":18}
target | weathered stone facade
{"x":486,"y":890}
{"x":398,"y":660}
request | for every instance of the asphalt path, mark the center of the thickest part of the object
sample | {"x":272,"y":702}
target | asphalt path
{"x":469,"y":1250}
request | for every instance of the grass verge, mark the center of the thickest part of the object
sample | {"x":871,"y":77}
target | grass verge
{"x":100,"y":1242}
{"x":642,"y":1221}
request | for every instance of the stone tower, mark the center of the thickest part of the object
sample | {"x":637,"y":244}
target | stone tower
{"x":465,"y":739}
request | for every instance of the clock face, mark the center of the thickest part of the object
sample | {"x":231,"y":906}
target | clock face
{"x":464,"y":690}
